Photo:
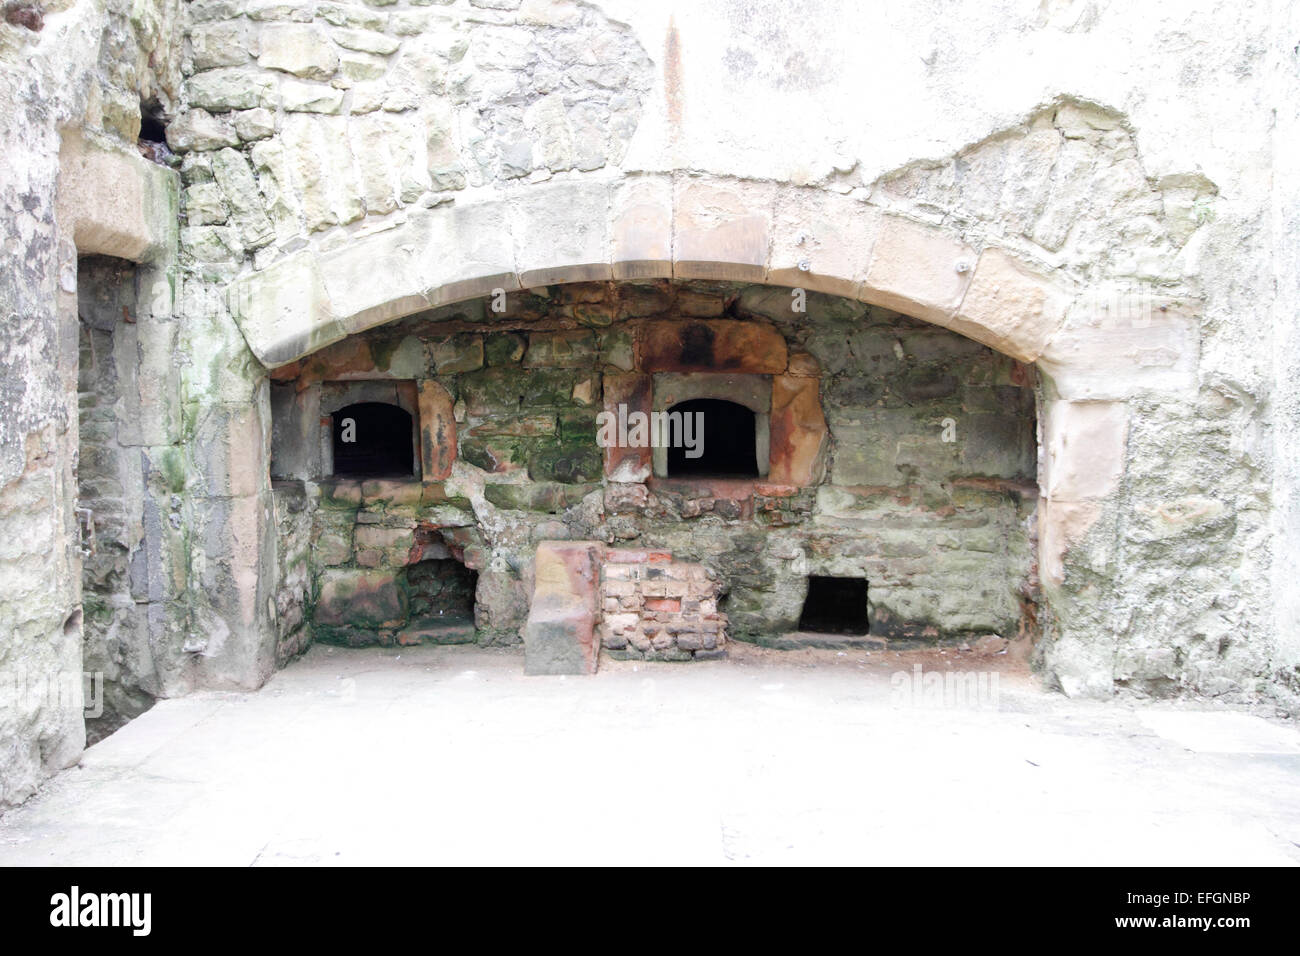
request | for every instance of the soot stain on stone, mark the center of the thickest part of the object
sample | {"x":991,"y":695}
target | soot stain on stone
{"x":697,"y":345}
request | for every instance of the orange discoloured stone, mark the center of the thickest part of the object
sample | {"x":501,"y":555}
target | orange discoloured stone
{"x":437,"y":431}
{"x":632,"y":390}
{"x":711,"y":345}
{"x":799,"y":433}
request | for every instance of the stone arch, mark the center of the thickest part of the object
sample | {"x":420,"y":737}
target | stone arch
{"x":651,"y":227}
{"x":688,"y":226}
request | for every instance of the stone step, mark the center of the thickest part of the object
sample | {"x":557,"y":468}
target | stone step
{"x":560,"y":634}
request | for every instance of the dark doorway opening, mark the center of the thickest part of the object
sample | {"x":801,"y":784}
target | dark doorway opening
{"x":725,"y":443}
{"x":373,"y":440}
{"x":835,"y":606}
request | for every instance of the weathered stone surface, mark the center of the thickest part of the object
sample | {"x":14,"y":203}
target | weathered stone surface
{"x":1117,"y":345}
{"x":457,"y":353}
{"x":821,"y":242}
{"x":1010,"y":308}
{"x":437,"y":431}
{"x":115,"y":202}
{"x":549,"y":497}
{"x":560,"y":350}
{"x":561,"y":233}
{"x":625,"y":394}
{"x":559,"y":637}
{"x":918,"y":270}
{"x":297,"y":49}
{"x":254,"y":124}
{"x":199,"y":130}
{"x":799,"y":433}
{"x":711,"y":346}
{"x":1085,"y":449}
{"x":570,"y":464}
{"x":279,"y":310}
{"x":235,"y":178}
{"x":365,"y":600}
{"x":350,"y":15}
{"x":504,"y":348}
{"x":642,"y":228}
{"x":231,"y":88}
{"x":205,"y":205}
{"x":221,"y":44}
{"x":364,"y":41}
{"x":722,"y":232}
{"x":299,"y":96}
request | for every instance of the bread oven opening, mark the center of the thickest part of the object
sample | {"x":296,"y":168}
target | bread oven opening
{"x":442,"y":593}
{"x":717,"y":440}
{"x":373,"y":440}
{"x":835,"y":606}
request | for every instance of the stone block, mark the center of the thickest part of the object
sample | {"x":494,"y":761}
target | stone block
{"x":229,"y":440}
{"x":561,"y":233}
{"x":799,"y":434}
{"x":456,"y":353}
{"x":114,"y":201}
{"x":437,"y":431}
{"x":504,"y":348}
{"x":484,"y":260}
{"x":917,"y":270}
{"x":301,"y":96}
{"x":721,"y":231}
{"x":232,"y":173}
{"x":365,"y":41}
{"x":712,"y":345}
{"x":642,"y":228}
{"x":197,"y":129}
{"x":299,"y":49}
{"x":548,"y":497}
{"x":232,"y":88}
{"x":561,"y":350}
{"x":1010,"y":307}
{"x":215,"y":45}
{"x":364,"y":600}
{"x":570,"y":464}
{"x":284,"y":311}
{"x":559,"y":636}
{"x":1114,"y":346}
{"x":821,"y":242}
{"x":624,"y":394}
{"x":348,"y":275}
{"x":1085,"y":444}
{"x":254,"y":124}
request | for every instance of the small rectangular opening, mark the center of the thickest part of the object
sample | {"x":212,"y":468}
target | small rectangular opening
{"x":835,"y":606}
{"x":373,"y":440}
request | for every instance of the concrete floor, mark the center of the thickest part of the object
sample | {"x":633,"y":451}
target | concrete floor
{"x":451,"y":755}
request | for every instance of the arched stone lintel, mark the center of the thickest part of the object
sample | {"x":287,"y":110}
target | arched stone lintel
{"x":653,"y":226}
{"x":661,"y":226}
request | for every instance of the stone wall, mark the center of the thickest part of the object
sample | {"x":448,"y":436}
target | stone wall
{"x":1017,"y":219}
{"x":111,"y":508}
{"x":455,"y":148}
{"x":655,"y":608}
{"x":308,"y":117}
{"x":900,"y":452}
{"x":73,"y":78}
